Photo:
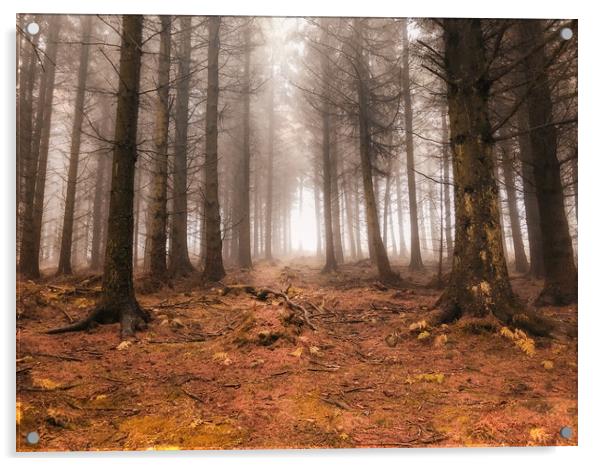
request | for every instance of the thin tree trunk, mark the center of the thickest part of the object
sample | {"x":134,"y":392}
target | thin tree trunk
{"x":29,"y":260}
{"x":403,"y":250}
{"x":335,"y":199}
{"x":157,"y":231}
{"x":449,"y":243}
{"x":244,"y":228}
{"x":78,"y":118}
{"x":268,"y":227}
{"x":380,"y":255}
{"x":214,"y":267}
{"x":520,"y":259}
{"x":179,"y":261}
{"x":560,"y":272}
{"x":415,"y":256}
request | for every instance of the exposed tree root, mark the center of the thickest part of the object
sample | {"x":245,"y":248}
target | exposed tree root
{"x":554,"y":296}
{"x":516,"y":316}
{"x":129,"y":314}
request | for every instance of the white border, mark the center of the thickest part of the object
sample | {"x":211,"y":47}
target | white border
{"x":590,"y":322}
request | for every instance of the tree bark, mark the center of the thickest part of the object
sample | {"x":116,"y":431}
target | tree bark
{"x":560,"y":285}
{"x":157,"y":234}
{"x":179,"y":261}
{"x":479,"y":285}
{"x":374,"y":237}
{"x":117,"y":302}
{"x":76,"y":133}
{"x":415,"y":256}
{"x":269,"y":203}
{"x":214,"y":267}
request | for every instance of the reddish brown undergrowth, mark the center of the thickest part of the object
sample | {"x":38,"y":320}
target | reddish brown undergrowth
{"x":234,"y":371}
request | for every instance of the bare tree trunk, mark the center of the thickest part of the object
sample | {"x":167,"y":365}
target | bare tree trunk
{"x":531,"y":208}
{"x":78,"y":117}
{"x":560,"y":272}
{"x":29,"y":259}
{"x":403,"y":250}
{"x":269,"y":203}
{"x":317,"y":210}
{"x":479,"y":284}
{"x":449,"y":243}
{"x":103,"y":165}
{"x":117,"y":302}
{"x":520,"y":259}
{"x":349,"y":213}
{"x":331,"y":263}
{"x":26,"y":165}
{"x":374,"y":238}
{"x":244,"y":228}
{"x":157,"y":231}
{"x":335,"y":198}
{"x":415,"y":256}
{"x":179,"y":261}
{"x":214,"y":267}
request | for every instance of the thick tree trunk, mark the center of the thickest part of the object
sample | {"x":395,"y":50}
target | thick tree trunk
{"x":479,"y":284}
{"x":415,"y":256}
{"x":244,"y":227}
{"x":374,"y":237}
{"x":520,"y":259}
{"x":214,"y":267}
{"x":331,"y":263}
{"x":76,"y":133}
{"x":29,"y":259}
{"x":179,"y":261}
{"x":560,"y":272}
{"x":117,"y":302}
{"x":157,"y":231}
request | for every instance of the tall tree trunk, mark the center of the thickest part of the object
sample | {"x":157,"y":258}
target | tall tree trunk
{"x":29,"y":259}
{"x":117,"y":302}
{"x":157,"y":231}
{"x":374,"y":238}
{"x":335,"y":199}
{"x":331,"y":263}
{"x":479,"y":285}
{"x":349,"y":212}
{"x":403,"y":250}
{"x":531,"y":208}
{"x":78,"y":118}
{"x":26,"y":165}
{"x":520,"y":259}
{"x":560,"y":272}
{"x":214,"y":267}
{"x":415,"y":256}
{"x":179,"y":261}
{"x":103,"y":166}
{"x":244,"y":227}
{"x":449,"y":243}
{"x":317,"y":210}
{"x":269,"y":203}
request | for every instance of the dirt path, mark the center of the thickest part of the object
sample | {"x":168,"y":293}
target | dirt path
{"x":234,"y":371}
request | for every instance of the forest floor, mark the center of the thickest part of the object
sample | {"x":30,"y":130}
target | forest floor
{"x":219,"y":368}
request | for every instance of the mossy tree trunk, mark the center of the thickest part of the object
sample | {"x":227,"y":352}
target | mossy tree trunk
{"x":479,"y":284}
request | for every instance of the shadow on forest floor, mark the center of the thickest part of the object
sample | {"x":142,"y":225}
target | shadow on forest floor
{"x":218,"y":370}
